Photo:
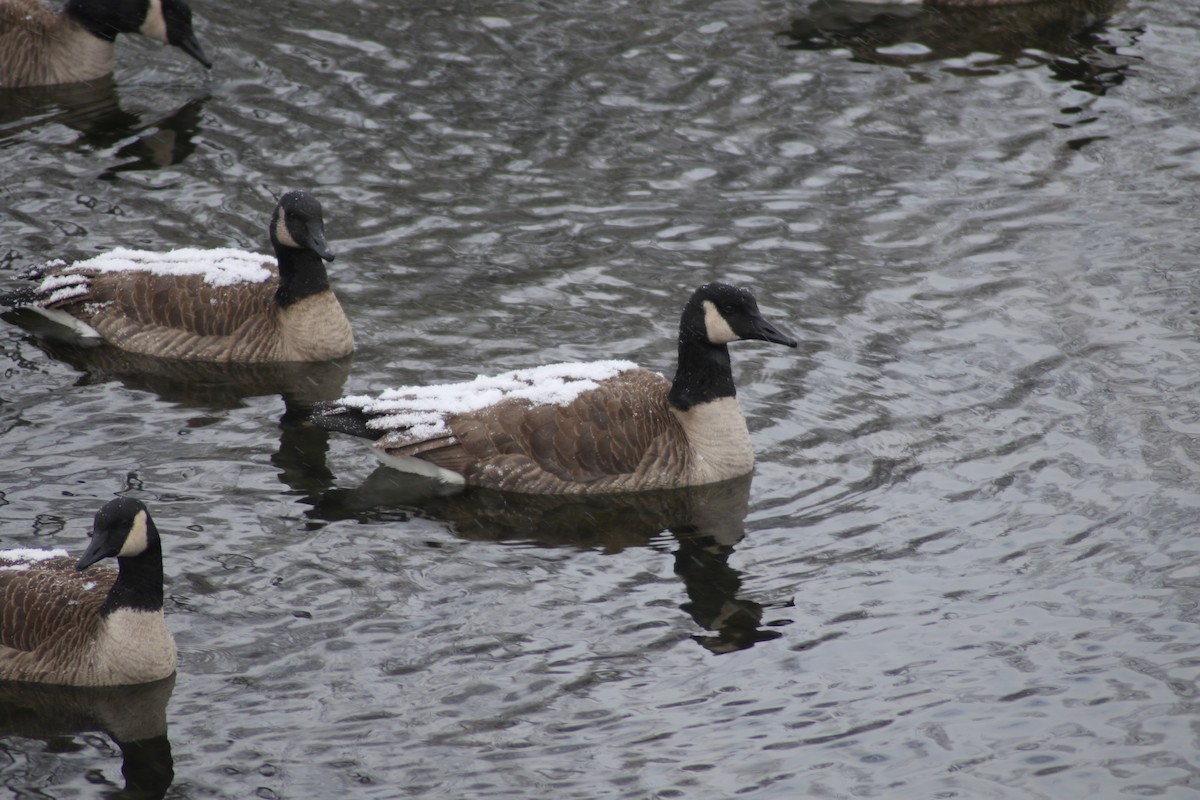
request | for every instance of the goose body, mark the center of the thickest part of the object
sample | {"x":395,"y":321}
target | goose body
{"x":220,"y":305}
{"x":103,"y":627}
{"x":598,"y":428}
{"x":39,"y":46}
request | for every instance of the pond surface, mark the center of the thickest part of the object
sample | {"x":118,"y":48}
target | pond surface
{"x":967,"y":563}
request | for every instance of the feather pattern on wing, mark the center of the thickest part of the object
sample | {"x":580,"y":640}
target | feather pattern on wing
{"x":122,"y":304}
{"x":48,"y":610}
{"x":40,"y":46}
{"x":620,"y":433}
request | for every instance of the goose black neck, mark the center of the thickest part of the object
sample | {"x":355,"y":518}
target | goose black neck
{"x":139,"y":584}
{"x":704,"y":372}
{"x":106,"y":20}
{"x":301,"y":274}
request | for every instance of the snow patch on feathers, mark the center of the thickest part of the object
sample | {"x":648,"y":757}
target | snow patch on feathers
{"x":420,"y":411}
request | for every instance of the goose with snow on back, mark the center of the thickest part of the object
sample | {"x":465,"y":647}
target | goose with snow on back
{"x":220,"y":305}
{"x":104,"y":627}
{"x":598,"y":428}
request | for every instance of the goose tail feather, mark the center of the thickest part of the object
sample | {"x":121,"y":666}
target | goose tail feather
{"x":335,"y":416}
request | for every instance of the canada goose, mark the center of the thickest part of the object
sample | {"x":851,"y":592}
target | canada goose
{"x":105,"y":628}
{"x":596,"y":428}
{"x":206,"y":305}
{"x":39,"y":46}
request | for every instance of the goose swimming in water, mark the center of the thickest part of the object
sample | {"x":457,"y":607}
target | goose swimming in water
{"x":598,"y":428}
{"x":60,"y":624}
{"x":219,"y":305}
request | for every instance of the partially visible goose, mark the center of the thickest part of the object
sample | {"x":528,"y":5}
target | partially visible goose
{"x":596,"y":428}
{"x":954,"y":3}
{"x":105,"y":627}
{"x":39,"y":46}
{"x":219,"y":305}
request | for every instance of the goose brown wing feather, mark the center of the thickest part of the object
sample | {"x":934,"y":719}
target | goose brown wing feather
{"x":121,"y":304}
{"x":445,"y":451}
{"x":48,"y":601}
{"x":604,"y":433}
{"x":27,"y":41}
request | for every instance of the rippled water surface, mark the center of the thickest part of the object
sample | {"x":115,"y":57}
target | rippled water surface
{"x":966,"y":565}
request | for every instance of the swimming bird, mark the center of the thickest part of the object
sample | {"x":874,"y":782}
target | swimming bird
{"x":598,"y":428}
{"x":39,"y":46}
{"x":220,"y":305}
{"x":61,"y":625}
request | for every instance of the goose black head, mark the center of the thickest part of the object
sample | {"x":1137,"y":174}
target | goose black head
{"x":298,"y":224}
{"x":177,"y":17}
{"x":721,"y":314}
{"x":122,"y":529}
{"x":716,"y":315}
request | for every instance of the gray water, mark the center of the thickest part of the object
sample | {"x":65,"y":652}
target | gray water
{"x":966,"y":565}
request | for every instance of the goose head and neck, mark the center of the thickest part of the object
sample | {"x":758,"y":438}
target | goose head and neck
{"x":123,"y":529}
{"x":716,"y":315}
{"x":298,"y":236}
{"x":168,"y":21}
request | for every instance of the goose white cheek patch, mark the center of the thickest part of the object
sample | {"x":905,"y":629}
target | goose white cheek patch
{"x":716,"y":327}
{"x":281,"y":231}
{"x":135,"y":542}
{"x":155,"y":25}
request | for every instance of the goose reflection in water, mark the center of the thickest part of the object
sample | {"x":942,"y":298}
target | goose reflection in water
{"x":148,"y":138}
{"x":209,"y":387}
{"x":134,"y":717}
{"x":706,"y":522}
{"x":1069,"y":37}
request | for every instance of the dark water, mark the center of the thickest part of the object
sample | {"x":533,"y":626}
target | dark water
{"x":966,"y":565}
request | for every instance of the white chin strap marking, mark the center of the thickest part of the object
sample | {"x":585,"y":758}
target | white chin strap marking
{"x":135,"y":541}
{"x":281,"y":231}
{"x":155,"y":25}
{"x":716,"y":327}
